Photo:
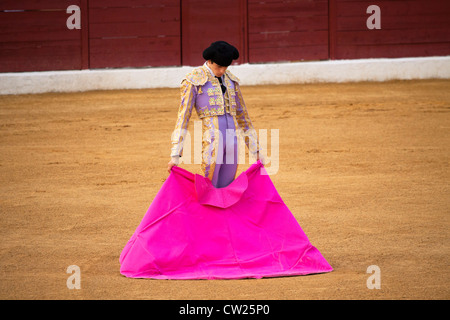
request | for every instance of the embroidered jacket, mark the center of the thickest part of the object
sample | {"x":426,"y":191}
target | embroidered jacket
{"x":201,"y":90}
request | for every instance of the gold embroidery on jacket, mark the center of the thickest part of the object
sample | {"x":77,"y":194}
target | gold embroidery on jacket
{"x":210,"y":145}
{"x":184,"y":114}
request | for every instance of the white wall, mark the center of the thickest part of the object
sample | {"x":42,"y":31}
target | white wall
{"x":250,"y":74}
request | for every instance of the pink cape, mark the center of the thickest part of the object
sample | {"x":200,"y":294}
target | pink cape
{"x":193,"y":230}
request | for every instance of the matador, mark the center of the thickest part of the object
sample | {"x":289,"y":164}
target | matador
{"x":214,"y":93}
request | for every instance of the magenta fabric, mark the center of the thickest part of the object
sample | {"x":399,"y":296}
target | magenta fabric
{"x":193,"y":230}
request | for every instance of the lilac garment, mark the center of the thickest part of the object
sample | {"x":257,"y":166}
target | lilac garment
{"x":193,"y":230}
{"x":226,"y":165}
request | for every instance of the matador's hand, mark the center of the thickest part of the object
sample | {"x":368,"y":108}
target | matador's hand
{"x":170,"y":165}
{"x":260,"y":157}
{"x":173,"y":162}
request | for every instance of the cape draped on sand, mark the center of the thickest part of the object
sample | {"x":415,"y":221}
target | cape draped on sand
{"x":193,"y":230}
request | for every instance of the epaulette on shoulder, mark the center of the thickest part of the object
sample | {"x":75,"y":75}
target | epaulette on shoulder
{"x":232,"y":77}
{"x":197,"y":77}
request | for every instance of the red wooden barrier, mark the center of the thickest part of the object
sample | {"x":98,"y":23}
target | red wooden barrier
{"x":409,"y":28}
{"x":288,"y":30}
{"x":204,"y":22}
{"x":34,"y":36}
{"x":141,"y":33}
{"x":136,"y":33}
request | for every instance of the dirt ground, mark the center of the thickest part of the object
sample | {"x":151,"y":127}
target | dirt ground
{"x":364,"y":167}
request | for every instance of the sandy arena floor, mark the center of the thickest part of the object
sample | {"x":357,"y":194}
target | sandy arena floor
{"x":364,"y":167}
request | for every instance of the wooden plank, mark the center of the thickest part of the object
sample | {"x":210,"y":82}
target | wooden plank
{"x":135,"y":59}
{"x":288,"y":30}
{"x":289,"y":23}
{"x":243,"y":36}
{"x":142,"y":44}
{"x":287,"y":9}
{"x":85,"y":34}
{"x":375,"y":37}
{"x":201,"y":26}
{"x":134,"y":33}
{"x":134,"y":29}
{"x":394,"y":14}
{"x":393,"y":8}
{"x":37,"y":40}
{"x":304,"y":53}
{"x":39,"y":56}
{"x":133,"y":3}
{"x":37,"y":4}
{"x":115,"y":53}
{"x":288,"y":39}
{"x":393,"y":51}
{"x":332,"y":29}
{"x":126,"y":15}
{"x":396,"y":22}
{"x":408,"y":28}
{"x":35,"y":26}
